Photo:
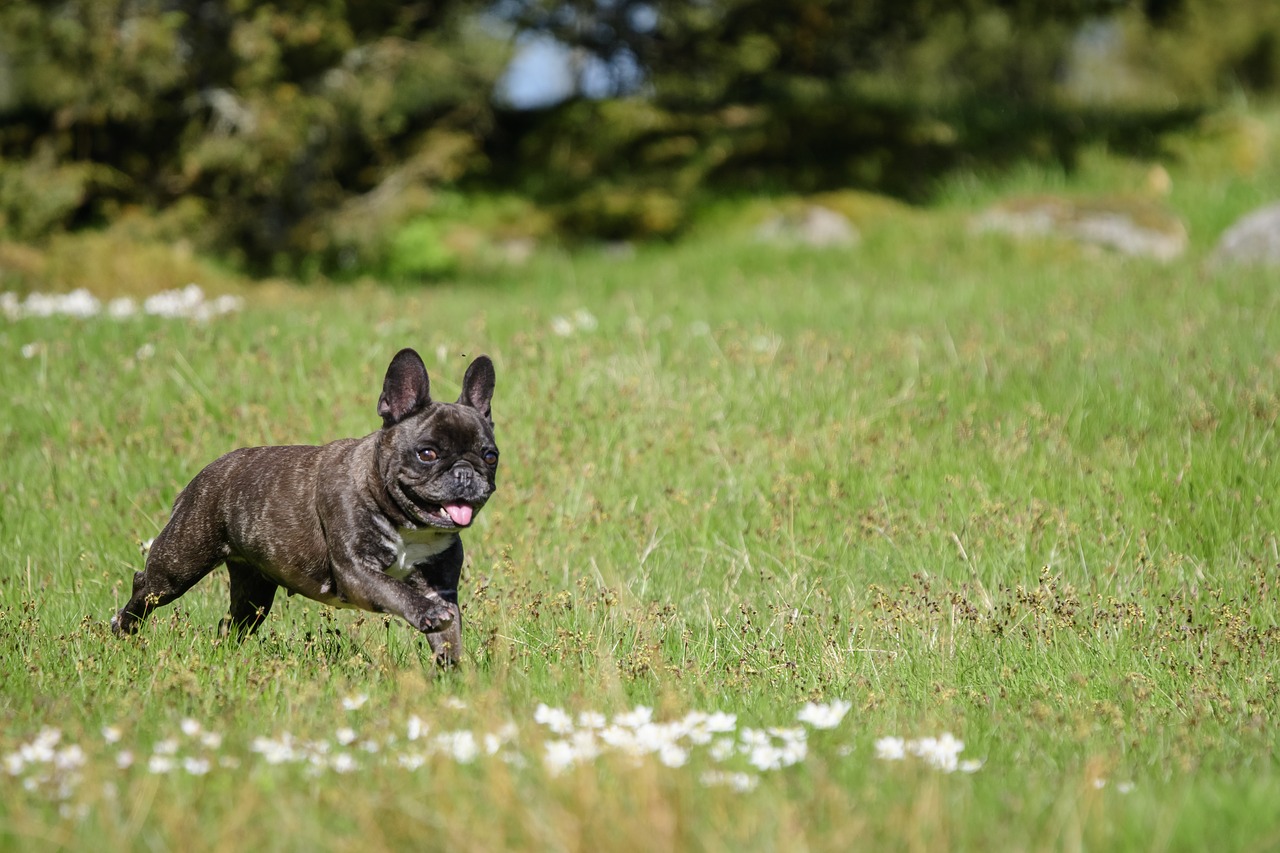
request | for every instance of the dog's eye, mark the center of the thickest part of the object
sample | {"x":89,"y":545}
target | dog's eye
{"x":491,"y":457}
{"x":427,"y":454}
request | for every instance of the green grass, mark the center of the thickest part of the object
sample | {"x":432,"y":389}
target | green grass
{"x":1023,"y":493}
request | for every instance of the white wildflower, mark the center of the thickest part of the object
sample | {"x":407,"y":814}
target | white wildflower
{"x":345,"y":736}
{"x":195,"y":766}
{"x":617,"y":737}
{"x":787,"y":735}
{"x":941,"y":752}
{"x":460,"y":745}
{"x":47,"y":739}
{"x":416,"y":727}
{"x":273,"y":751}
{"x":122,"y":307}
{"x":174,"y":303}
{"x":160,"y":764}
{"x":556,"y":719}
{"x":190,"y":727}
{"x":225,"y":304}
{"x":672,"y":755}
{"x":723,"y":749}
{"x":558,"y":756}
{"x":700,"y":727}
{"x":826,"y":716}
{"x":640,"y":716}
{"x":111,"y":734}
{"x":343,"y":763}
{"x":124,"y":759}
{"x":653,"y":737}
{"x":69,"y":758}
{"x":168,"y":746}
{"x":740,"y":782}
{"x":720,"y":722}
{"x":765,"y":757}
{"x":78,"y":303}
{"x":891,"y":749}
{"x":354,"y":703}
{"x":592,"y":720}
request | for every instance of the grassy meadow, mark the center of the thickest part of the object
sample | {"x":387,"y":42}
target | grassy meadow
{"x":1021,"y":493}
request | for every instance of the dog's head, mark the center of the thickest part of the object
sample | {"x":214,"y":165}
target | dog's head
{"x":437,"y":460}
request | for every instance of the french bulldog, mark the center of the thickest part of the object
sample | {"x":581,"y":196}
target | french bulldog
{"x":370,"y":523}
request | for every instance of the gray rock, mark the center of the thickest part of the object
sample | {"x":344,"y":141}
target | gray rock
{"x":812,"y":225}
{"x":1254,"y":240}
{"x":1130,"y":226}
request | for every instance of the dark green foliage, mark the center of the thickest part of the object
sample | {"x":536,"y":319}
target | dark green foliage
{"x":280,"y":116}
{"x":888,"y":95}
{"x":303,"y":136}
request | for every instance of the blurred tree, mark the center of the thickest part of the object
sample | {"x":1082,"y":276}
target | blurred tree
{"x":282,"y":122}
{"x":743,"y":51}
{"x":296,"y":135}
{"x":882,"y":94}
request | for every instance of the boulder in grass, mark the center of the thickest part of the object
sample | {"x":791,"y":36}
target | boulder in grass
{"x":1131,"y":226}
{"x":811,"y":225}
{"x":1254,"y":240}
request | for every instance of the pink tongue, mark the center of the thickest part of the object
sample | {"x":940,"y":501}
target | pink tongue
{"x":459,"y":513}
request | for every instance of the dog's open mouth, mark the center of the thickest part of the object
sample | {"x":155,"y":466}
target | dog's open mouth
{"x":458,"y":513}
{"x":451,"y":514}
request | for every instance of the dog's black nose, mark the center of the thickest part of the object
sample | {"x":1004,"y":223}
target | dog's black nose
{"x":463,"y":474}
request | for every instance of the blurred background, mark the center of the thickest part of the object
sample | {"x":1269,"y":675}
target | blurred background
{"x":402,"y":140}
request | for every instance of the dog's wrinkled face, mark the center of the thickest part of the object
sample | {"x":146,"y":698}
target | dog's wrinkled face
{"x":438,"y":460}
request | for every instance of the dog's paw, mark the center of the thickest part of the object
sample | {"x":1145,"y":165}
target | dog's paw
{"x":119,"y":626}
{"x":433,"y":618}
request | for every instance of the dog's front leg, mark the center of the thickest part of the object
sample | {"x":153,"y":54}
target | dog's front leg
{"x":446,"y":645}
{"x":439,"y":576}
{"x":370,"y":588}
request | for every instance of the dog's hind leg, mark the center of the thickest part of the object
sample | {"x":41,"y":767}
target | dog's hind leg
{"x":178,"y":558}
{"x":251,"y":595}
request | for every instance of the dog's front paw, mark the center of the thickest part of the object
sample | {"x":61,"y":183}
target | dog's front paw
{"x":433,"y":617}
{"x":123,"y":624}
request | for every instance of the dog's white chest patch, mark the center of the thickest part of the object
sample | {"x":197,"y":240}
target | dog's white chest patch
{"x":413,"y":546}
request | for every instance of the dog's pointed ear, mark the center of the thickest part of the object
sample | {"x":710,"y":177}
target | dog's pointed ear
{"x":406,"y":388}
{"x":477,"y":386}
